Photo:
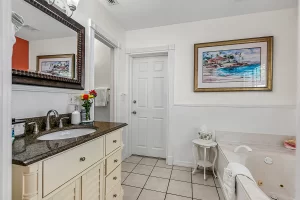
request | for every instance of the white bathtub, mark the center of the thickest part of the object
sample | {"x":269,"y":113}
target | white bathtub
{"x":278,"y":179}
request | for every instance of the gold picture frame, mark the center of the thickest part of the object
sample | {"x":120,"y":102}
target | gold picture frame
{"x":61,"y":65}
{"x":221,"y":72}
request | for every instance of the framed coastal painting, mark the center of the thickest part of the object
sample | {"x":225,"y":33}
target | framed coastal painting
{"x":62,"y":65}
{"x":235,"y":65}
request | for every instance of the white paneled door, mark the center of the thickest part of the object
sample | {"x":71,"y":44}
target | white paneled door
{"x":149,"y":106}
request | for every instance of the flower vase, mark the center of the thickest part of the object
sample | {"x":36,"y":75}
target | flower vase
{"x":87,"y":114}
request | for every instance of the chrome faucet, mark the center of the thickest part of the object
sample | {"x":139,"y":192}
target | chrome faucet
{"x":36,"y":128}
{"x":61,"y":125}
{"x":242,"y":146}
{"x":48,"y":118}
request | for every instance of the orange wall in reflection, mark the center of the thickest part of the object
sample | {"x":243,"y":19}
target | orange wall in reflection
{"x":20,"y":57}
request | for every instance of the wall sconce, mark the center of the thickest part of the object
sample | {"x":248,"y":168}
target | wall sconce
{"x":67,"y":6}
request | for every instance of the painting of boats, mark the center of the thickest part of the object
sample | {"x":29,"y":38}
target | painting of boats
{"x":234,"y":65}
{"x":237,"y":65}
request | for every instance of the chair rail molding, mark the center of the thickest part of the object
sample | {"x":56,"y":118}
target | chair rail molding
{"x":5,"y":99}
{"x":237,"y":106}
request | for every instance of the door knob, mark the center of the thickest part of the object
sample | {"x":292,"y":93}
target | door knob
{"x":134,"y":112}
{"x":134,"y":101}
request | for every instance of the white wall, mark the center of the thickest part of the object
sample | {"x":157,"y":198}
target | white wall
{"x":256,"y":112}
{"x":36,"y":101}
{"x":102,"y":58}
{"x":102,"y":76}
{"x":298,"y":114}
{"x":67,"y":45}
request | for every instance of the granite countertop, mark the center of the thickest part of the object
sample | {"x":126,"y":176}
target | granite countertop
{"x":28,"y":150}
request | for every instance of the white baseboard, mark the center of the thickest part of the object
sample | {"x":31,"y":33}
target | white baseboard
{"x":170,"y":160}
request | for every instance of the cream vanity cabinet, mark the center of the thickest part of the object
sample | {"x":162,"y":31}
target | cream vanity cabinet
{"x":90,"y":171}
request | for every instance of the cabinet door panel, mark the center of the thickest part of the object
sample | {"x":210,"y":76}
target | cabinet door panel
{"x":113,"y":179}
{"x":92,"y":183}
{"x":62,"y":168}
{"x":71,"y":192}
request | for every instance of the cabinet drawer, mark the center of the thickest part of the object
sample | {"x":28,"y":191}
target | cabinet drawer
{"x":113,"y":161}
{"x":112,"y":141}
{"x":60,"y":169}
{"x":113,"y":179}
{"x":115,"y":193}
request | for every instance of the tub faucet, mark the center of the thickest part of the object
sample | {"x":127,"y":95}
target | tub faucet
{"x":242,"y":146}
{"x":48,"y":118}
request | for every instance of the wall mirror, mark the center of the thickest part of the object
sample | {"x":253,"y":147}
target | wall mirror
{"x":49,"y":49}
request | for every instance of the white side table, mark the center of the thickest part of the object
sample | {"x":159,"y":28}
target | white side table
{"x":205,"y":163}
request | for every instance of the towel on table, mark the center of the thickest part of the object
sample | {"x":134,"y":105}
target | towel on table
{"x":229,"y":178}
{"x":102,"y":98}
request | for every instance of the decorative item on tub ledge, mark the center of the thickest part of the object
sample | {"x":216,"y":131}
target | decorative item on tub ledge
{"x":88,"y":100}
{"x":290,"y":144}
{"x":234,"y":65}
{"x":205,"y":136}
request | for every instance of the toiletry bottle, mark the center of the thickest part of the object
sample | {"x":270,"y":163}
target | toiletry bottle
{"x":12,"y":133}
{"x":75,"y":119}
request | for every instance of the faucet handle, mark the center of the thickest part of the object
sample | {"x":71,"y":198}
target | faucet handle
{"x":36,"y":128}
{"x":61,"y":123}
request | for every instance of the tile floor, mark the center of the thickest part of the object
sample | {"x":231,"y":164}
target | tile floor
{"x":146,"y":178}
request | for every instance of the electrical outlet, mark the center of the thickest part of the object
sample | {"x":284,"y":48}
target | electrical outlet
{"x":72,"y":99}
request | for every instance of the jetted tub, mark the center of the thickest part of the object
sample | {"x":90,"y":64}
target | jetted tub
{"x":273,"y":169}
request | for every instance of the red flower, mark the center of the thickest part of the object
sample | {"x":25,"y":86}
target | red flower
{"x":93,"y":92}
{"x":85,"y":97}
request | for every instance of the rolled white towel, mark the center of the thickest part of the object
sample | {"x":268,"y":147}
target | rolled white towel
{"x":229,"y":178}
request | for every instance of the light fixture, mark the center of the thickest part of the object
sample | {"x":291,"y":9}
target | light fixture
{"x":68,"y":5}
{"x":72,"y":4}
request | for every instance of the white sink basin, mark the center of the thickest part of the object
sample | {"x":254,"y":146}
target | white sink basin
{"x":72,"y":133}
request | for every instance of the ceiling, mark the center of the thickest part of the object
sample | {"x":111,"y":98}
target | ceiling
{"x":48,"y":28}
{"x":139,"y":14}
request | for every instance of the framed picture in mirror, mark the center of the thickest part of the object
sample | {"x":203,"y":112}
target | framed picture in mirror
{"x":50,"y":47}
{"x":57,"y":65}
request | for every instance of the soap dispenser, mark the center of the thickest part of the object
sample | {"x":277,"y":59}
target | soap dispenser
{"x":75,"y":119}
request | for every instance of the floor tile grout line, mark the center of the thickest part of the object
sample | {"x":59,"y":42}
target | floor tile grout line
{"x":166,"y":193}
{"x":156,"y":191}
{"x":139,"y":194}
{"x":204,"y":185}
{"x":168,"y":184}
{"x":218,"y":194}
{"x":149,"y":175}
{"x":168,"y":178}
{"x":125,"y":178}
{"x":146,"y":181}
{"x":192,"y":185}
{"x":180,"y":195}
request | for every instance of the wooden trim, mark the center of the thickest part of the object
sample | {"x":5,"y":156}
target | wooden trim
{"x":34,"y":78}
{"x":268,"y":39}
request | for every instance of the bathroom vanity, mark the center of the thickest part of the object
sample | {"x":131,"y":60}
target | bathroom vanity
{"x":82,"y":168}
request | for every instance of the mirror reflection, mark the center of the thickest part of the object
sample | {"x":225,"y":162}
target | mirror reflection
{"x":43,"y":44}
